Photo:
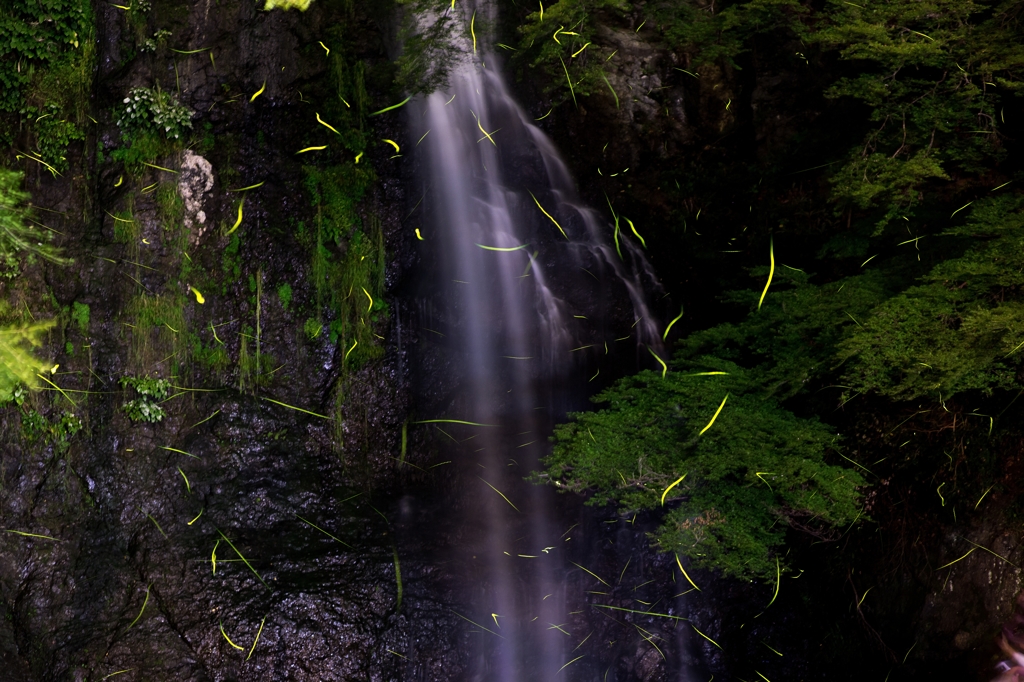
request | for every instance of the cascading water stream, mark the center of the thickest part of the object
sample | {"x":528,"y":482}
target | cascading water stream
{"x":534,"y":281}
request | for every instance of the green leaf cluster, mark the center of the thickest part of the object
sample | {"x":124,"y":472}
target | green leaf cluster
{"x":722,"y":31}
{"x":936,"y":75}
{"x":21,"y":241}
{"x":755,"y":471}
{"x":791,"y":341}
{"x":562,"y":43}
{"x":962,"y":328}
{"x":151,"y":392}
{"x":36,"y":428}
{"x":80,"y":313}
{"x":958,"y":327}
{"x":18,"y":365}
{"x":153,"y":110}
{"x":47,"y":51}
{"x":35,"y":35}
{"x":54,"y":133}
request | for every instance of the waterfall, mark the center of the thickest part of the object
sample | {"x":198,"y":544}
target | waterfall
{"x":537,"y":284}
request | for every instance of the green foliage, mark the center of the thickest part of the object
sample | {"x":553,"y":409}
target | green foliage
{"x":213,"y":357}
{"x":284,"y":294}
{"x":53,"y":133}
{"x":572,"y":70}
{"x":960,"y":330}
{"x":146,"y":407}
{"x":20,"y":239}
{"x":336,"y":193}
{"x":959,"y":327}
{"x":47,"y":51}
{"x":155,"y":111}
{"x":142,"y":147}
{"x":254,"y":366}
{"x":158,"y":331}
{"x":36,"y":428}
{"x":158,"y":40}
{"x":80,"y":316}
{"x":791,"y":341}
{"x":879,"y":179}
{"x":756,"y":470}
{"x":346,"y":98}
{"x":35,"y":35}
{"x":127,"y":231}
{"x":170,"y":205}
{"x":152,"y":123}
{"x":17,"y":363}
{"x":313,"y":328}
{"x":926,"y":84}
{"x":171,"y":210}
{"x":345,"y":283}
{"x":933,"y":74}
{"x":724,"y":33}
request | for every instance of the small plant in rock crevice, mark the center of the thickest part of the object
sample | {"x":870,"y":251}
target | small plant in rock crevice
{"x":158,"y":39}
{"x":146,"y":408}
{"x":36,"y":428}
{"x":153,"y":110}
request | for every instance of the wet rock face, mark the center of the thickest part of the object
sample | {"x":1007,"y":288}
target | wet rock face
{"x":237,"y":538}
{"x":146,"y":585}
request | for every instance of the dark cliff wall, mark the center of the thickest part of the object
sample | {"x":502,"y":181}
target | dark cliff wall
{"x":259,"y":504}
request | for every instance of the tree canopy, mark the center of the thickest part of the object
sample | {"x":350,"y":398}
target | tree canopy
{"x":897,"y":197}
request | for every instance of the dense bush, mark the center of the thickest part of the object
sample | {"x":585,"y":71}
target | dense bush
{"x":755,"y":471}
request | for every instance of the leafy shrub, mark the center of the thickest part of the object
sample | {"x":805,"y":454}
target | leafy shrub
{"x":143,"y":147}
{"x":54,"y":133}
{"x":962,"y":328}
{"x":153,"y":110}
{"x":146,"y":407}
{"x":757,"y":469}
{"x":36,"y":34}
{"x":17,"y":363}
